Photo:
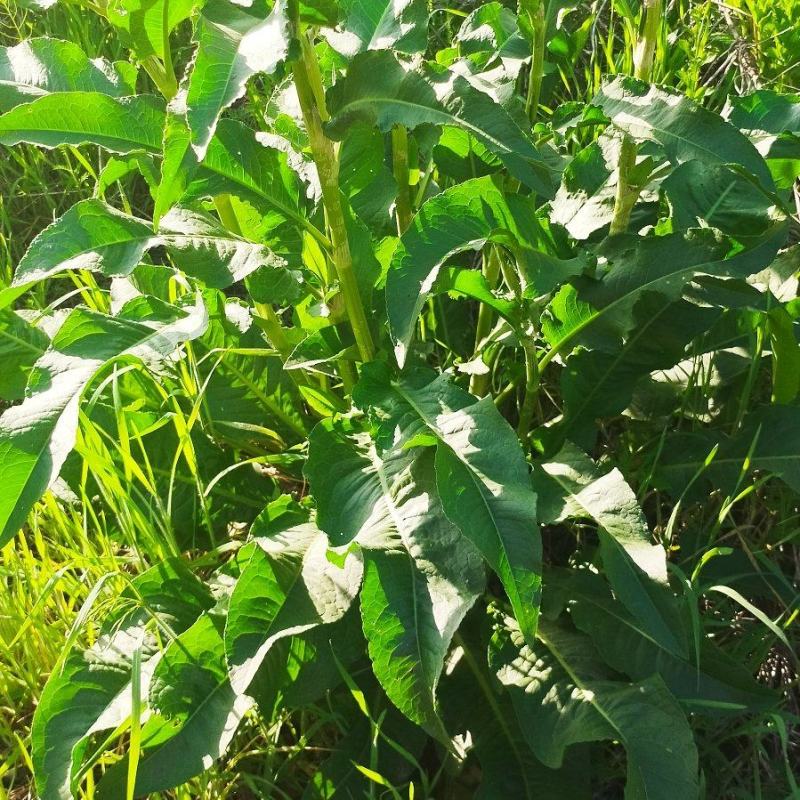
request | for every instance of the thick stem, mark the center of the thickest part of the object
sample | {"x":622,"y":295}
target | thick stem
{"x":479,"y":384}
{"x":627,"y":191}
{"x":304,"y":71}
{"x":400,"y":168}
{"x":627,"y":194}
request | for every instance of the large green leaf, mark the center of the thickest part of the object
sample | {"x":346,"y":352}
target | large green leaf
{"x":708,"y":680}
{"x":563,"y":695}
{"x":179,"y":161}
{"x":685,"y":130}
{"x":421,"y":576}
{"x":772,"y":122}
{"x":584,"y":202}
{"x":765,"y":111}
{"x":144,"y":25}
{"x":37,"y":436}
{"x":44,"y":66}
{"x":92,"y":235}
{"x":237,"y":163}
{"x":121,"y":125}
{"x":198,"y":714}
{"x":477,"y":707}
{"x":291,"y":584}
{"x":234,"y":42}
{"x":91,"y":692}
{"x":571,"y":485}
{"x":481,"y":474}
{"x":656,"y":264}
{"x":600,"y":382}
{"x":461,"y":218}
{"x":721,"y":197}
{"x":381,"y":25}
{"x":378,"y":89}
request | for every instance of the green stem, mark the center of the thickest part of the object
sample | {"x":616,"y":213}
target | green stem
{"x":531,"y":388}
{"x":304,"y":71}
{"x":627,"y":191}
{"x":627,"y":194}
{"x":400,"y":168}
{"x":537,"y":19}
{"x":479,"y":384}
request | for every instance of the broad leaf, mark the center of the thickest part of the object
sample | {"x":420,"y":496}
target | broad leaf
{"x":91,"y":692}
{"x":563,"y":695}
{"x":708,"y":680}
{"x":766,"y":111}
{"x":464,"y":217}
{"x":121,"y":125}
{"x":722,"y":198}
{"x":37,"y":436}
{"x":236,"y":163}
{"x":600,"y":383}
{"x":44,"y":66}
{"x":477,"y":706}
{"x":290,"y":584}
{"x":234,"y":42}
{"x":572,"y":486}
{"x":144,"y":25}
{"x":381,"y":25}
{"x":21,"y":345}
{"x":655,"y":264}
{"x":685,"y":130}
{"x":198,"y":714}
{"x":378,"y":89}
{"x":92,"y":235}
{"x":421,"y":576}
{"x":481,"y":474}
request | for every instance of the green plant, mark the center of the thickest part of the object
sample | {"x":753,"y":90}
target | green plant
{"x":294,"y":336}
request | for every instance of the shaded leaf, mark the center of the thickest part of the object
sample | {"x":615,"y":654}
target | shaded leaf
{"x":92,"y":692}
{"x":571,"y":485}
{"x":564,"y":695}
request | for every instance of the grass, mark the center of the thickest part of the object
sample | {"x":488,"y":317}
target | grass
{"x":55,"y":579}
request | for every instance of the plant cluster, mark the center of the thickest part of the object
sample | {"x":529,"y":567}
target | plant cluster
{"x":411,"y":381}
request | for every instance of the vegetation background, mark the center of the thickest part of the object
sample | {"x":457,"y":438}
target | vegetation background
{"x":57,"y":575}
